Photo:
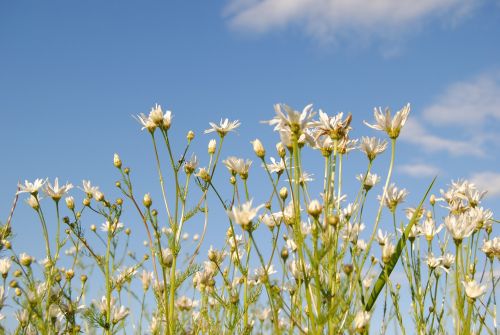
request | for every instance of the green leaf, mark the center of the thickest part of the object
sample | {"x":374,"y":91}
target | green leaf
{"x":379,"y":285}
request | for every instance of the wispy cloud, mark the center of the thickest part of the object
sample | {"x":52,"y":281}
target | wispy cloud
{"x":488,"y":181}
{"x":328,"y":19}
{"x":415,"y":133}
{"x":467,"y":103}
{"x":470,"y":106}
{"x":419,"y":170}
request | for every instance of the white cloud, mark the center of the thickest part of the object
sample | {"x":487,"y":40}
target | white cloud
{"x":333,"y":18}
{"x":487,"y":181}
{"x":467,"y":103}
{"x":419,"y":170}
{"x":415,"y":133}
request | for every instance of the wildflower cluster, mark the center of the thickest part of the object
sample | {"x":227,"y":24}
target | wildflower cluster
{"x":293,"y":260}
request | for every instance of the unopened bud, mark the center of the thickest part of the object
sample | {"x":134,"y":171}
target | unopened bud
{"x":432,"y":199}
{"x":117,"y":161}
{"x":190,"y":135}
{"x":70,"y":202}
{"x":281,"y":149}
{"x":258,"y":148}
{"x":212,"y":145}
{"x":93,"y":227}
{"x":147,"y":200}
{"x":314,"y":209}
{"x":283,"y":193}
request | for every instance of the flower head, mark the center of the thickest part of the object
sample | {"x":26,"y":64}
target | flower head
{"x":223,"y":127}
{"x":244,"y":214}
{"x":293,"y":121}
{"x":392,"y":126}
{"x":55,"y":191}
{"x":334,"y":126}
{"x":31,"y":188}
{"x":393,"y":197}
{"x":474,"y":290}
{"x":372,"y":147}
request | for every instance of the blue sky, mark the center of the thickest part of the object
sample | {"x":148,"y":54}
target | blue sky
{"x":73,"y":72}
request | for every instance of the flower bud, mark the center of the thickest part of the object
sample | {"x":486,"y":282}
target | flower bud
{"x":117,"y":161}
{"x":98,"y":195}
{"x":258,"y":148}
{"x":93,"y":227}
{"x":147,"y":200}
{"x":314,"y":209}
{"x":284,"y":254}
{"x":281,"y":149}
{"x":83,"y":278}
{"x":70,"y":274}
{"x":283,"y":193}
{"x":190,"y":135}
{"x":25,"y":259}
{"x":432,"y":199}
{"x":212,"y":145}
{"x":70,"y":202}
{"x":128,"y":231}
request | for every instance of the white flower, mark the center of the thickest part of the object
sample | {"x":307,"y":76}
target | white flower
{"x":31,"y":188}
{"x":474,"y":290}
{"x":224,"y":127}
{"x":368,"y":181}
{"x":392,"y":126}
{"x":191,"y":165}
{"x":382,"y":238}
{"x":334,"y":126}
{"x":119,"y":313}
{"x":261,"y":274}
{"x":429,"y":230}
{"x":492,"y":247}
{"x":244,"y":214}
{"x":146,"y":278}
{"x":5,"y":265}
{"x":185,"y":304}
{"x":271,"y":220}
{"x":55,"y":191}
{"x":293,"y":121}
{"x":238,"y":165}
{"x":108,"y":227}
{"x":88,"y":188}
{"x":393,"y":196}
{"x":352,"y":231}
{"x":212,"y":145}
{"x":361,"y":321}
{"x":459,"y":226}
{"x":388,"y":250}
{"x":146,"y":122}
{"x":277,"y":167}
{"x":372,"y":147}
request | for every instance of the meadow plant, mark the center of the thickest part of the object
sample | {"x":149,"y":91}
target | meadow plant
{"x":293,"y":262}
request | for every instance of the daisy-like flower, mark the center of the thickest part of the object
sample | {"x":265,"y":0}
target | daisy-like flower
{"x":167,"y":120}
{"x":119,"y":313}
{"x":262,"y":275}
{"x":185,"y":304}
{"x":146,"y":278}
{"x":270,"y":221}
{"x":108,"y":227}
{"x":482,"y":217}
{"x":31,"y":188}
{"x":368,"y":181}
{"x":352,"y":231}
{"x":325,"y":144}
{"x":361,"y":321}
{"x":146,"y":122}
{"x":429,"y":230}
{"x":276,"y":167}
{"x":293,"y":121}
{"x":191,"y":165}
{"x":393,"y":197}
{"x":459,"y":226}
{"x":304,"y":178}
{"x":492,"y":247}
{"x":5,"y":265}
{"x":334,"y":126}
{"x":383,"y":238}
{"x":55,"y":191}
{"x":224,"y":127}
{"x":156,"y":115}
{"x":33,"y":202}
{"x":433,"y":262}
{"x":238,"y":165}
{"x":473,"y":289}
{"x":244,"y":214}
{"x":447,"y":261}
{"x":346,"y":145}
{"x":88,"y":188}
{"x":388,"y":250}
{"x":392,"y":126}
{"x":372,"y":147}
